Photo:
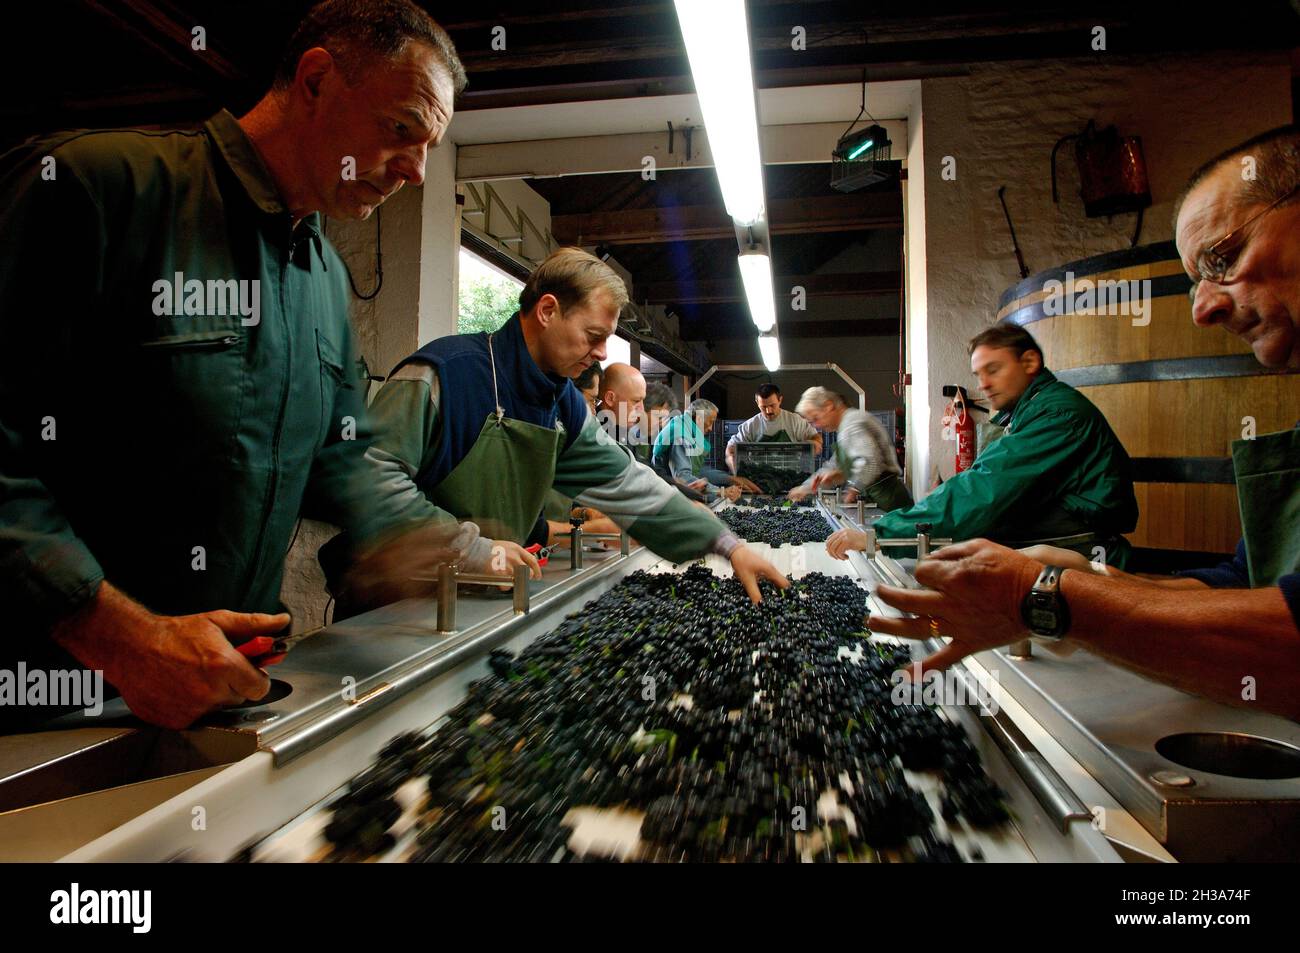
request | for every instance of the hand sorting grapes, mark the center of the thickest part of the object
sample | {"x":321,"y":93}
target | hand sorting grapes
{"x":728,"y":727}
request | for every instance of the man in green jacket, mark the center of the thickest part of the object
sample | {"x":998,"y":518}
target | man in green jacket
{"x":1057,"y":473}
{"x":179,"y":379}
{"x":1230,"y":633}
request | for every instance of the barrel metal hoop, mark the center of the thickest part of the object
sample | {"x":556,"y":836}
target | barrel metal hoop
{"x":1183,"y":470}
{"x":1095,"y":266}
{"x":1169,"y":369}
{"x":1163,"y":286}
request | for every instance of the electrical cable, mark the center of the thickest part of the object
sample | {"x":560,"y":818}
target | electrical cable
{"x":862,"y":109}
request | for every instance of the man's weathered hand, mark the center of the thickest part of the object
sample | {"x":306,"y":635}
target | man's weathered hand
{"x":843,"y":540}
{"x":750,"y":567}
{"x":168,"y":669}
{"x":974,"y":593}
{"x":507,"y":554}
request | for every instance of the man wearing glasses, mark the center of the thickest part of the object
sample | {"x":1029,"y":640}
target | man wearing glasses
{"x":1231,"y":633}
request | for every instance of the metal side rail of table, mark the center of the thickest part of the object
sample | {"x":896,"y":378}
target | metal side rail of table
{"x":366,"y":678}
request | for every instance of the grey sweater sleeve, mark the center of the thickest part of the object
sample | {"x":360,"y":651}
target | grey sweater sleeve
{"x":867,"y":446}
{"x":406,"y":413}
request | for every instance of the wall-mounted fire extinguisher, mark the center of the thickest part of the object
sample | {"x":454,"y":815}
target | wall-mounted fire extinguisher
{"x":959,"y":424}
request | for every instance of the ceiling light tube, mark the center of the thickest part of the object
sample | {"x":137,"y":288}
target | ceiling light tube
{"x":756,"y":275}
{"x":716,"y":34}
{"x":770,"y":348}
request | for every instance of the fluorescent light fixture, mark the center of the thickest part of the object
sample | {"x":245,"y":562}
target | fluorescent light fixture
{"x":756,"y":274}
{"x":717,"y":44}
{"x":769,"y":347}
{"x":862,"y":148}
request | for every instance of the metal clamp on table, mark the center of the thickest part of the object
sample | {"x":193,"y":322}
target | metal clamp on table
{"x":576,"y":536}
{"x":860,"y":505}
{"x":923,"y":542}
{"x":449,"y":581}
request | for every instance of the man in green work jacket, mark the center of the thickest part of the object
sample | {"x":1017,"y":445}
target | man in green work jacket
{"x":179,"y":382}
{"x":1232,"y":632}
{"x":484,"y":425}
{"x":1057,"y":474}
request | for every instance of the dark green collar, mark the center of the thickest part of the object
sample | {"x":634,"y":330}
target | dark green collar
{"x":1004,"y":417}
{"x":242,"y":157}
{"x":240,"y":154}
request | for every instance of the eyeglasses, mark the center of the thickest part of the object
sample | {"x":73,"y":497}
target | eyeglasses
{"x":1215,"y":261}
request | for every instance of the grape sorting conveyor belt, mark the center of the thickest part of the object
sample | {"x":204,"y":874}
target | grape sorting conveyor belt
{"x":296,"y":796}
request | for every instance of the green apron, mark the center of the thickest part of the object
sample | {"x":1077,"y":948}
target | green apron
{"x":779,"y":437}
{"x":889,"y":492}
{"x":1268,"y":494}
{"x":503,"y":480}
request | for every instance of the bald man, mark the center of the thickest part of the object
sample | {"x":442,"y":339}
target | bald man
{"x":623,"y":415}
{"x":615,"y":386}
{"x":620,"y":399}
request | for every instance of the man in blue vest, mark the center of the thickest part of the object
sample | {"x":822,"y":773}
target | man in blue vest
{"x":482,"y":426}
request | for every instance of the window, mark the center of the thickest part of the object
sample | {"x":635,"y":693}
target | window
{"x":487,"y":295}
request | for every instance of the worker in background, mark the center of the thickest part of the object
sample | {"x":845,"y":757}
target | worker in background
{"x":193,"y":393}
{"x":1058,"y":472}
{"x":772,"y":425}
{"x":588,"y":384}
{"x":612,"y":393}
{"x":683,"y":449}
{"x":660,"y":406}
{"x":1232,"y":632}
{"x":483,"y":425}
{"x":865,"y":460}
{"x":620,"y":396}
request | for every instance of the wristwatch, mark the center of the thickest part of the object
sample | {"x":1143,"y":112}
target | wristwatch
{"x":1044,"y":610}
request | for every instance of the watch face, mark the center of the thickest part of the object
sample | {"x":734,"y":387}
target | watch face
{"x":1042,"y":620}
{"x":1045,"y":612}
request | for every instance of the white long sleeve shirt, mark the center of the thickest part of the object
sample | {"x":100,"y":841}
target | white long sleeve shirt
{"x":757,"y":427}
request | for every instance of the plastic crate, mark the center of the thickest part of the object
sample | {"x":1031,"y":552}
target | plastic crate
{"x":763,"y":462}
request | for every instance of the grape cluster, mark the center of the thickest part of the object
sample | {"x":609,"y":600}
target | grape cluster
{"x":734,"y":731}
{"x":774,"y":481}
{"x":776,"y":525}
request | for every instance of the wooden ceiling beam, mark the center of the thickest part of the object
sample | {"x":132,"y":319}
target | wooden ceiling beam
{"x":646,"y":226}
{"x":723,"y":290}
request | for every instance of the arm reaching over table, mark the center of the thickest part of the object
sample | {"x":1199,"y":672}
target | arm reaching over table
{"x":1207,"y":642}
{"x":597,"y":472}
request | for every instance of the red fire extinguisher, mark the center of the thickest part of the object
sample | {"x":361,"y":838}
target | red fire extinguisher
{"x":959,"y":425}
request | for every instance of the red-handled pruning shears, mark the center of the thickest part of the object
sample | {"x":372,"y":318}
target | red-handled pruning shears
{"x":543,"y":553}
{"x":263,"y":650}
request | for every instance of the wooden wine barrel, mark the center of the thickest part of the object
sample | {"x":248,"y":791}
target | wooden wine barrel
{"x":1175,"y":394}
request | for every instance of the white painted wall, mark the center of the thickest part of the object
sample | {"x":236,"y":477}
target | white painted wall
{"x":917,"y":359}
{"x":438,"y":250}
